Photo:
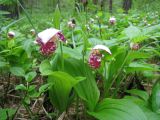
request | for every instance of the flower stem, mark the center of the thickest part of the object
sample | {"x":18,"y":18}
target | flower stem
{"x":100,"y":31}
{"x":73,"y":41}
{"x":62,"y":59}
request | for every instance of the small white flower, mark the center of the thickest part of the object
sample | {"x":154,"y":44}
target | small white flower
{"x":71,"y":24}
{"x":47,"y":34}
{"x":11,"y":34}
{"x":112,"y":20}
{"x":134,"y":46}
{"x":32,"y":31}
{"x":102,"y":47}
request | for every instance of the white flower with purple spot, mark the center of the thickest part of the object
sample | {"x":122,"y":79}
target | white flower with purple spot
{"x":95,"y":57}
{"x":47,"y":40}
{"x":11,"y":34}
{"x":112,"y":20}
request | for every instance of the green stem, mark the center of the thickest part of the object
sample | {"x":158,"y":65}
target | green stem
{"x":14,"y":116}
{"x":86,"y":14}
{"x":105,"y":71}
{"x":73,"y":41}
{"x":62,"y":59}
{"x":100,"y":31}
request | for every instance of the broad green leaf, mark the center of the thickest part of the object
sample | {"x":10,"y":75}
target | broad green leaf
{"x":116,"y":109}
{"x":3,"y":64}
{"x":30,"y":76}
{"x":137,"y":66}
{"x":44,"y":88}
{"x":139,"y":93}
{"x":61,"y":90}
{"x":27,"y":100}
{"x":137,"y":55}
{"x":145,"y":106}
{"x":151,"y":29}
{"x":18,"y":71}
{"x":28,"y":46}
{"x":21,"y":87}
{"x":77,"y":68}
{"x":132,"y":32}
{"x":45,"y":68}
{"x":31,"y":88}
{"x":74,"y":53}
{"x":155,"y":98}
{"x":7,"y":112}
{"x":32,"y":92}
{"x":116,"y":65}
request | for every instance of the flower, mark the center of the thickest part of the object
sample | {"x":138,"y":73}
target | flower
{"x":72,"y":23}
{"x":134,"y":46}
{"x":33,"y":32}
{"x":95,"y":57}
{"x":11,"y":34}
{"x":47,"y":40}
{"x":112,"y":20}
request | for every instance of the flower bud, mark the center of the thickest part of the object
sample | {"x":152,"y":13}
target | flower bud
{"x":33,"y":32}
{"x":72,"y":23}
{"x":134,"y":46}
{"x":112,"y":20}
{"x":11,"y":34}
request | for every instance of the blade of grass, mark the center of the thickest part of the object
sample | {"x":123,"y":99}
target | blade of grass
{"x":27,"y":15}
{"x":12,"y":23}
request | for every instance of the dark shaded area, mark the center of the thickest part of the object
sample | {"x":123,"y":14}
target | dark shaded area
{"x":13,"y":9}
{"x":127,"y":4}
{"x":110,"y":6}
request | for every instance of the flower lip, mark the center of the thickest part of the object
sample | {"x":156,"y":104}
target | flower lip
{"x":102,"y":47}
{"x":47,"y":34}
